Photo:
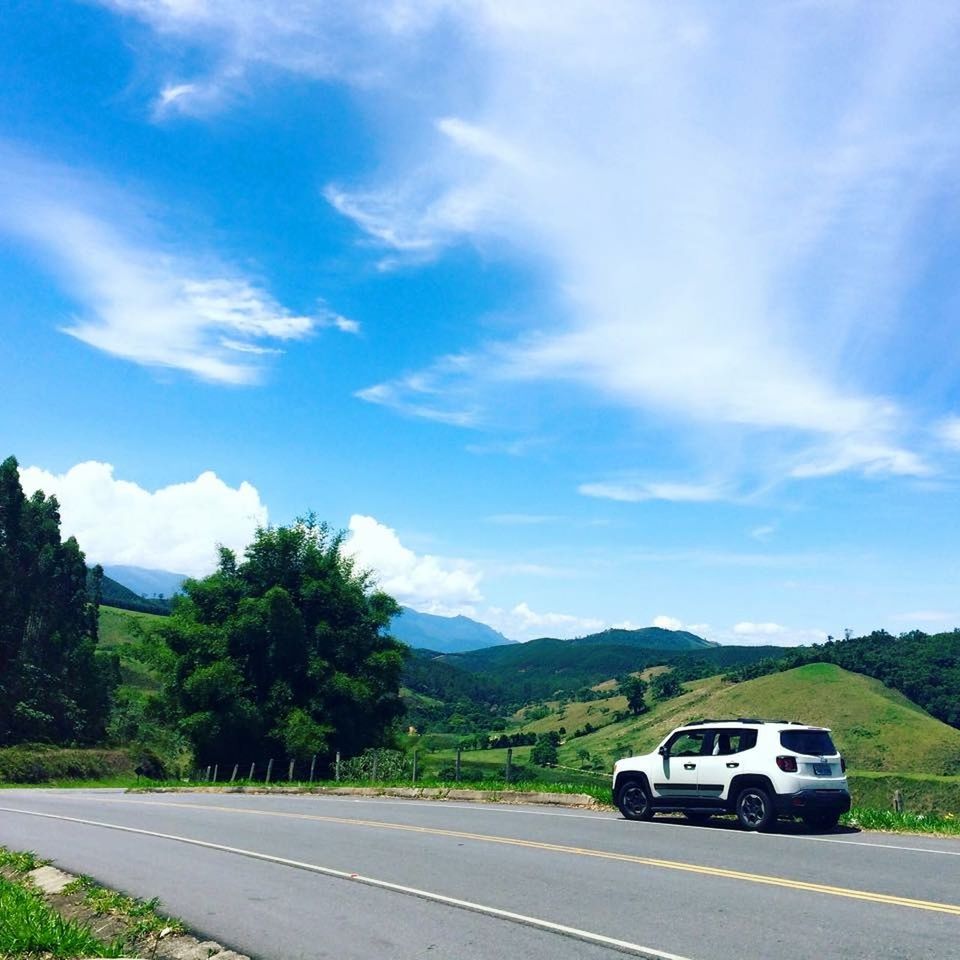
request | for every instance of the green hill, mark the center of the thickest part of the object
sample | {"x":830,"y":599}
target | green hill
{"x":876,"y":728}
{"x":117,"y":595}
{"x":649,"y":638}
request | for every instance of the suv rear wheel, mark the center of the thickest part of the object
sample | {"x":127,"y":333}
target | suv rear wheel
{"x":634,"y":801}
{"x":755,"y":809}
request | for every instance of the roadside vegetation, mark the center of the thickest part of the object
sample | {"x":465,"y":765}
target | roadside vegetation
{"x":31,"y":926}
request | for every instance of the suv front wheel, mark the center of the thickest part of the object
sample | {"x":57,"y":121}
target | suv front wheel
{"x":755,"y":809}
{"x":634,"y":801}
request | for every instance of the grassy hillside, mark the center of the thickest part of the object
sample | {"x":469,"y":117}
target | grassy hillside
{"x":876,"y":728}
{"x":118,"y":628}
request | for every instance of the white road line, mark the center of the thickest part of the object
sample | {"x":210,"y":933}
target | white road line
{"x":624,"y":946}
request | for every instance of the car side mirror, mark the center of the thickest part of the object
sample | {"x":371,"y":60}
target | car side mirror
{"x":664,"y":752}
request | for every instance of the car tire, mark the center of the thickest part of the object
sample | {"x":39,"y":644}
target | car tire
{"x":697,"y":816}
{"x":633,"y":800}
{"x":821,"y":822}
{"x":755,"y":809}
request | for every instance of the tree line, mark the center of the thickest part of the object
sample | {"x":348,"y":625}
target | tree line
{"x":284,"y":651}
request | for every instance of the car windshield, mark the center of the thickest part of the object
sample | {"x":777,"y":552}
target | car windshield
{"x":814,"y":743}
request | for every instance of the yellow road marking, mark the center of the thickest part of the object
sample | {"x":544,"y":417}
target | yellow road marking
{"x":869,"y":896}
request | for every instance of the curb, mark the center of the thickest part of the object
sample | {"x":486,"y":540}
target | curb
{"x":579,"y":800}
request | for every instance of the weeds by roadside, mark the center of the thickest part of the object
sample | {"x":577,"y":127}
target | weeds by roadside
{"x":29,"y":928}
{"x":867,"y":818}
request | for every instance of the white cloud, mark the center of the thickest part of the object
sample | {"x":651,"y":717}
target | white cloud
{"x":523,"y":623}
{"x":948,"y":432}
{"x":629,"y":491}
{"x":667,"y":623}
{"x":747,"y":632}
{"x":746,"y":628}
{"x":764,"y":532}
{"x":176,"y":528}
{"x":427,"y":583}
{"x":138,"y":298}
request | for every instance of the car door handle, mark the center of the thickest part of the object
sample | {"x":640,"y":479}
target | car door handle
{"x":732,"y":765}
{"x":689,"y":766}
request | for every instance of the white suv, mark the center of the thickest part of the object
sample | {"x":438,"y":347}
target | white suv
{"x":758,"y":769}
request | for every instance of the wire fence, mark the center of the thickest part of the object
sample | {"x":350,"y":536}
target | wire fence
{"x":372,"y":766}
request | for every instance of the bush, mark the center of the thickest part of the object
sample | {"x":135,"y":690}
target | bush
{"x":390,"y":764}
{"x":30,"y":763}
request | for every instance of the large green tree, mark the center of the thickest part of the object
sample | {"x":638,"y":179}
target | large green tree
{"x":53,"y":687}
{"x":284,"y":654}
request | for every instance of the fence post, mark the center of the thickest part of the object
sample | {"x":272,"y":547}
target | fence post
{"x":374,"y":772}
{"x":313,"y":765}
{"x":414,"y":766}
{"x":897,"y":801}
{"x":509,"y":764}
{"x":290,"y":771}
{"x":233,"y":776}
{"x":207,"y":777}
{"x":456,"y":769}
{"x":253,"y":767}
{"x":216,"y":769}
{"x":336,"y":768}
{"x":269,"y":770}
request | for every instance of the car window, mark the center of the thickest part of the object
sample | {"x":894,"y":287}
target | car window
{"x":686,"y":744}
{"x":813,"y":743}
{"x":723,"y":743}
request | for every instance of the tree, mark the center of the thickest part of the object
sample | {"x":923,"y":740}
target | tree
{"x":634,"y":689}
{"x":284,"y":653}
{"x":53,"y":687}
{"x":544,"y":752}
{"x":665,"y":686}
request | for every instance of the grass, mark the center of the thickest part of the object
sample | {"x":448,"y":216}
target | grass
{"x":141,"y":915}
{"x":19,"y":862}
{"x":118,"y":629}
{"x":29,"y":928}
{"x":116,"y":626}
{"x":867,"y":818}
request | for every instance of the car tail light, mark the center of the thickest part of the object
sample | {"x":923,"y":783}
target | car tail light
{"x":787,"y":764}
{"x":843,"y":765}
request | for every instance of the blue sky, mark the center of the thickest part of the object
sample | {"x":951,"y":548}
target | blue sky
{"x":572,"y":315}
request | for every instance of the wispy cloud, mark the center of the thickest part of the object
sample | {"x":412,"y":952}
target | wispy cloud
{"x":138,"y":296}
{"x":764,"y":532}
{"x":729,"y":240}
{"x":628,"y":491}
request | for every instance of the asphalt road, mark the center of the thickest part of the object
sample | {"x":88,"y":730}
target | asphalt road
{"x":284,"y":878}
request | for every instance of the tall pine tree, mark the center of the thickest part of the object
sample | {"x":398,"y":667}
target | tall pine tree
{"x":53,"y":688}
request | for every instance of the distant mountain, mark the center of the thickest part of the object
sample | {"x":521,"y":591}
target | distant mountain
{"x":113,"y":594}
{"x":143,"y":581}
{"x":444,"y":634}
{"x":649,"y":638}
